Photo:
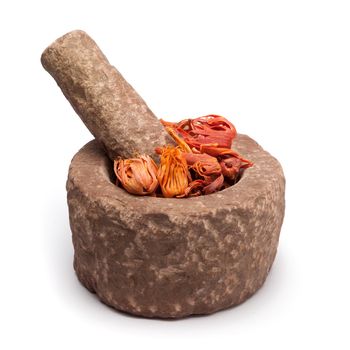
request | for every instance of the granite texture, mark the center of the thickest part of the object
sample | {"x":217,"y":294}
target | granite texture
{"x":171,"y":258}
{"x":110,"y":108}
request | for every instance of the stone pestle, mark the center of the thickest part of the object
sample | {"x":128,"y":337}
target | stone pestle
{"x":107,"y":104}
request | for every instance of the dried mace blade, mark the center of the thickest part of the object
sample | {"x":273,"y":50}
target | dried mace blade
{"x":230,"y":161}
{"x":211,"y":129}
{"x":178,"y":139}
{"x":230,"y":167}
{"x":137,"y":175}
{"x":173,"y":175}
{"x":207,"y":167}
{"x":203,"y":164}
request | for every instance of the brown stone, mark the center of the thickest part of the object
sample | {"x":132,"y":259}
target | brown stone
{"x":110,"y":108}
{"x":170,"y":258}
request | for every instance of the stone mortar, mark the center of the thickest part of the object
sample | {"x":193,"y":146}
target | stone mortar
{"x":170,"y":258}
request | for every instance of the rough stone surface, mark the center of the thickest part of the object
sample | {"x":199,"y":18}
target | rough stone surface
{"x":171,"y":258}
{"x":110,"y":108}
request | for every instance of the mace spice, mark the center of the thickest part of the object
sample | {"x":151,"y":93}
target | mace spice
{"x":203,"y":161}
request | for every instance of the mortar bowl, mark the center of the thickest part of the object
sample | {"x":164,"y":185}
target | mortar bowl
{"x":174,"y":257}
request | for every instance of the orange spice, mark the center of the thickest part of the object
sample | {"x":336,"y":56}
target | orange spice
{"x":211,"y":129}
{"x":201,"y":163}
{"x":137,"y":175}
{"x":173,"y":174}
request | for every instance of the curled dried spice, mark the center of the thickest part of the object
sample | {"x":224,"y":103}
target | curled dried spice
{"x":203,"y":153}
{"x":137,"y":175}
{"x":230,"y":161}
{"x":173,"y":175}
{"x":221,"y":152}
{"x":211,"y":129}
{"x":206,"y":143}
{"x":214,"y":185}
{"x":230,"y":167}
{"x":204,"y":186}
{"x":194,"y":188}
{"x":180,"y":142}
{"x":209,"y":169}
{"x":203,"y":164}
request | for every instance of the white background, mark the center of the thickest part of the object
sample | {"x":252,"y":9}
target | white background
{"x":279,"y":70}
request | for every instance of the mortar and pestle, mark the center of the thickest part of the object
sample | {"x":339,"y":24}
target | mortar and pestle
{"x":151,"y":256}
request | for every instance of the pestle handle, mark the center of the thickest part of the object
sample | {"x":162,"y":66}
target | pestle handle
{"x":107,"y":104}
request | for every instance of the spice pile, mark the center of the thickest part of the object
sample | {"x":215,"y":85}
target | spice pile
{"x":201,"y":163}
